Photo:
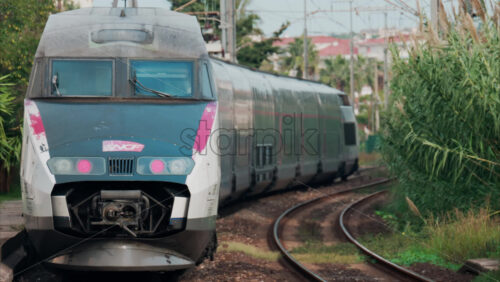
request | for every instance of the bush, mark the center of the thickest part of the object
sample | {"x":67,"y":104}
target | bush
{"x":442,"y":130}
{"x":10,"y":134}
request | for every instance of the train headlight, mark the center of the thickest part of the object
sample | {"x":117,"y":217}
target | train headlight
{"x":77,"y":166}
{"x":164,"y":166}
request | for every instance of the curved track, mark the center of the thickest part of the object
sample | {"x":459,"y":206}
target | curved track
{"x":276,"y":228}
{"x":378,"y":258}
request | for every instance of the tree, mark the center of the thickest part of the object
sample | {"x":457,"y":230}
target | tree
{"x":295,"y":59}
{"x":22,"y":25}
{"x":253,"y":54}
{"x":337,"y":73}
{"x":249,"y":53}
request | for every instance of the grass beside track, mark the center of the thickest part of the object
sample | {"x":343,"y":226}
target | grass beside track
{"x":250,"y":250}
{"x":447,"y":241}
{"x":13,"y":194}
{"x":317,"y":252}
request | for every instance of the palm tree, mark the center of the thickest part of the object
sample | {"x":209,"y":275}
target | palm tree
{"x":337,"y":73}
{"x":10,"y":135}
{"x":295,"y":59}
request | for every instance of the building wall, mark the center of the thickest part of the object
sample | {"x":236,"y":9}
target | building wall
{"x":84,"y":3}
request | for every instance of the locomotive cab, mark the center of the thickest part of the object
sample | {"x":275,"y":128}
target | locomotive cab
{"x":115,"y":162}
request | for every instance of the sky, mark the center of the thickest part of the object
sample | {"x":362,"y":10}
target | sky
{"x":334,"y":20}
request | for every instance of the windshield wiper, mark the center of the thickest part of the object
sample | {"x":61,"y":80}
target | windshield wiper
{"x":55,"y":83}
{"x":137,"y":83}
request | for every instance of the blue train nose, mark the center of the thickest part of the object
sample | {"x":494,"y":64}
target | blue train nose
{"x":94,"y":129}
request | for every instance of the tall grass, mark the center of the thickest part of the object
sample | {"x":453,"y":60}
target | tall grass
{"x":461,"y":236}
{"x":442,"y":130}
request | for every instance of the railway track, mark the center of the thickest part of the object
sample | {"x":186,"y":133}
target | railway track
{"x":368,"y":252}
{"x":399,"y":271}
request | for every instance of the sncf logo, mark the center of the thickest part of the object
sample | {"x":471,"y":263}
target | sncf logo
{"x":121,"y":146}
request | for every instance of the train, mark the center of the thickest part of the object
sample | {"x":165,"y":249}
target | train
{"x":134,"y":136}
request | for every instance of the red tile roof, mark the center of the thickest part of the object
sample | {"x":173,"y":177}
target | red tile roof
{"x":335,"y":46}
{"x":315,"y":39}
{"x":333,"y":51}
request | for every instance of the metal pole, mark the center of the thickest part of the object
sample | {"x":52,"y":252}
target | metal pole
{"x":386,"y":64}
{"x":232,"y":31}
{"x":305,"y":75}
{"x":374,"y":96}
{"x":223,"y":27}
{"x":351,"y":59}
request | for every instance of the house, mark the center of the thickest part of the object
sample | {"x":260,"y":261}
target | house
{"x":83,"y":3}
{"x":374,"y":47}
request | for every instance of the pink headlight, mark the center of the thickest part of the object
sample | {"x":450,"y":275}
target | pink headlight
{"x":84,"y":166}
{"x":157,"y":166}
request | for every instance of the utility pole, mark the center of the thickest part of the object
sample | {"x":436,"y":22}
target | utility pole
{"x":228,"y":27}
{"x":232,"y":31}
{"x":351,"y":59}
{"x":386,"y":63}
{"x":305,"y":75}
{"x":377,"y":101}
{"x":223,"y":27}
{"x":374,"y":96}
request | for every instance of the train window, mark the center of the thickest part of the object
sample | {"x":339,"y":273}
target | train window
{"x":350,"y":133}
{"x":345,"y":100}
{"x":162,"y":78}
{"x":82,"y":78}
{"x":206,"y":88}
{"x":264,"y":155}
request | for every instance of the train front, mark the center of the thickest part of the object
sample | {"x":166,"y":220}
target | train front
{"x":118,"y":170}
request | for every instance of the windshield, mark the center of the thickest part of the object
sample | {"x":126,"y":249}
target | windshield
{"x":162,"y":78}
{"x":82,"y":78}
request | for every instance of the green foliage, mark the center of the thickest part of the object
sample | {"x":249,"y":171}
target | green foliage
{"x":406,"y":248}
{"x":249,"y":53}
{"x":22,"y":25}
{"x":254,"y":54}
{"x":337,"y":70}
{"x":10,"y":132}
{"x":442,"y":130}
{"x":461,"y":236}
{"x":295,"y":57}
{"x":488,"y":276}
{"x":13,"y":194}
{"x":419,"y":255}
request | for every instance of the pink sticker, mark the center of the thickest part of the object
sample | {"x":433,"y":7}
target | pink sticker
{"x":121,"y":146}
{"x":37,"y":124}
{"x":205,"y":127}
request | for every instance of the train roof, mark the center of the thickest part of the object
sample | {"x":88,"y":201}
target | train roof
{"x":318,"y":83}
{"x":118,"y":32}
